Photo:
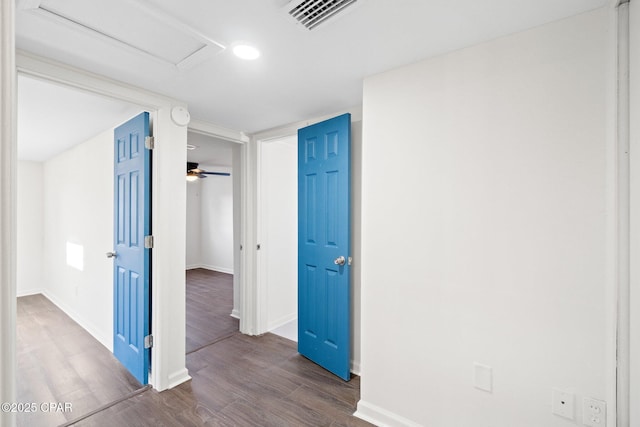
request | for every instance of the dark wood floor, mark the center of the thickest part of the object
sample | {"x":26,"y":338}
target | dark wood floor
{"x":244,"y":381}
{"x":209,"y":305}
{"x":58,"y":361}
{"x":237,"y":381}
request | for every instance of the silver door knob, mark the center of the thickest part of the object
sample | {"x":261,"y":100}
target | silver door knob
{"x":111,"y":254}
{"x":340,"y":260}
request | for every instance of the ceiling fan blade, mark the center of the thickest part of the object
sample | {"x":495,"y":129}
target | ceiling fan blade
{"x":193,"y":170}
{"x":216,"y":173}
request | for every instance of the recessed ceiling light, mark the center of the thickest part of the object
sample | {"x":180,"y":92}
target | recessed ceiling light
{"x":246,"y":51}
{"x":191,"y":147}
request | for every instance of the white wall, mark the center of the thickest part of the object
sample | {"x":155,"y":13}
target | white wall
{"x":78,"y":208}
{"x":217,"y":221}
{"x":210,"y":214}
{"x":278,"y":256}
{"x":484,"y":224}
{"x":194,"y":215}
{"x":30,"y":228}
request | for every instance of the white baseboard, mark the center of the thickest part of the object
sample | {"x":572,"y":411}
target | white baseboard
{"x":26,"y":293}
{"x":235,"y":313}
{"x":211,"y":267}
{"x":87,"y":326}
{"x":178,"y":378}
{"x":217,"y":268}
{"x":355,"y":367}
{"x":282,"y":321}
{"x":381,"y":417}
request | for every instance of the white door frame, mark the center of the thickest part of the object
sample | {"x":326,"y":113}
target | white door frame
{"x":168,"y":355}
{"x":240,"y":264}
{"x":256,"y":295}
{"x":262,"y":281}
{"x":8,"y":210}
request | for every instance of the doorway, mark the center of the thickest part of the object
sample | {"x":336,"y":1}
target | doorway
{"x":65,"y":199}
{"x":168,"y":361}
{"x":212,"y":240}
{"x":278,"y":234}
{"x":262,"y":291}
{"x":64,"y":227}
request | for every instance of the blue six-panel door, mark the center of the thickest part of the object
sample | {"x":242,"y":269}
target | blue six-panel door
{"x":132,"y":222}
{"x":324,"y":287}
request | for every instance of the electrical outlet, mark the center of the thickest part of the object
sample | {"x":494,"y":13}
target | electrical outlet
{"x":594,"y":412}
{"x":562,"y":403}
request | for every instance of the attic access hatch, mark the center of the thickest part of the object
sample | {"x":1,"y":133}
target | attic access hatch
{"x":312,"y":13}
{"x":132,"y":25}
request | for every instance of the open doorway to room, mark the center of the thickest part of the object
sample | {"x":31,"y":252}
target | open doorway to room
{"x":278,"y":234}
{"x":65,"y":221}
{"x":213,"y":228}
{"x":277,"y":200}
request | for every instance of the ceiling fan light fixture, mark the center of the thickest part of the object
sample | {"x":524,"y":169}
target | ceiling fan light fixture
{"x":193,"y":172}
{"x":245,"y":51}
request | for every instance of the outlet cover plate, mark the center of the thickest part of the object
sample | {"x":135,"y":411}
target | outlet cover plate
{"x":483,"y":377}
{"x":594,"y":412}
{"x":562,"y":403}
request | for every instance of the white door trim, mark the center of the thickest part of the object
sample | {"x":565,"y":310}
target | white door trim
{"x":262,"y":283}
{"x":623,"y":220}
{"x":8,"y":212}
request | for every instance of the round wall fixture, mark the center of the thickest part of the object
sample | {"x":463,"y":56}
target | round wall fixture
{"x":180,"y":116}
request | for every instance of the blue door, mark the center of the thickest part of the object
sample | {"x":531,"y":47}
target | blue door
{"x":132,"y":222}
{"x":324,"y":244}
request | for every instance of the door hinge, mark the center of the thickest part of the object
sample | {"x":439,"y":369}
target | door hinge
{"x":149,"y":143}
{"x":349,"y":260}
{"x":258,"y":246}
{"x":148,"y":242}
{"x":148,"y":341}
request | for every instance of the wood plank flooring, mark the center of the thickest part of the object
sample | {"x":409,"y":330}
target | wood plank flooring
{"x":237,"y":381}
{"x":244,"y":381}
{"x":209,"y":306}
{"x":58,"y":361}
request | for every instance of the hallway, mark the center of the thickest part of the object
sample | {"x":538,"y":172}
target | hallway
{"x":236,"y":381}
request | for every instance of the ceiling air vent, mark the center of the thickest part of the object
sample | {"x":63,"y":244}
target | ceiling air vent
{"x":311,"y":13}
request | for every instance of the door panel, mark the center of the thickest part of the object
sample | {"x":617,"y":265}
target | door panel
{"x":324,"y":288}
{"x":132,"y":222}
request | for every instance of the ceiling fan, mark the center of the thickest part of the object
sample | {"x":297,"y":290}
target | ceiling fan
{"x":194,"y":173}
